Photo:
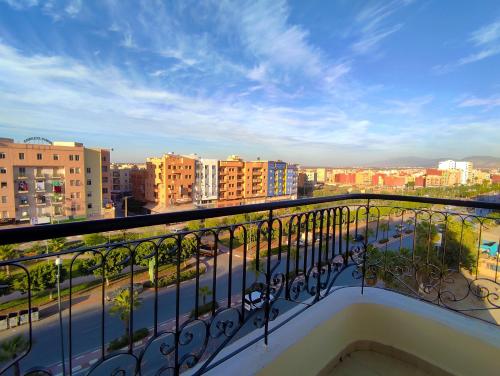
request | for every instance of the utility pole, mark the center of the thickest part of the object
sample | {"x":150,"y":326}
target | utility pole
{"x":125,"y":199}
{"x":58,"y":263}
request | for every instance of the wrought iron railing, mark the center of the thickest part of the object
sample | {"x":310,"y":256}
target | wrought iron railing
{"x":159,"y":300}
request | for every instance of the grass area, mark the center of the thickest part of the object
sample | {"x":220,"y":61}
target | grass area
{"x":43,"y":297}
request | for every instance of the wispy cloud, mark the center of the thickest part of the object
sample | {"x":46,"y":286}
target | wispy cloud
{"x":42,"y":92}
{"x":486,"y":40}
{"x":488,"y":103}
{"x":411,"y":107}
{"x":372,"y":26}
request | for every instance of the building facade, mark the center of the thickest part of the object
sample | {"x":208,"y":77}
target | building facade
{"x":206,"y":189}
{"x":255,"y":187}
{"x":170,"y":180}
{"x":292,"y":180}
{"x":42,"y":183}
{"x":231,"y":181}
{"x":276,"y":178}
{"x":464,"y":167}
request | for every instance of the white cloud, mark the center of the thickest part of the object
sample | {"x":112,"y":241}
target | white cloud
{"x":371,"y":28}
{"x":411,"y":107}
{"x":489,"y":103}
{"x":486,"y":39}
{"x":73,"y":8}
{"x":58,"y":93}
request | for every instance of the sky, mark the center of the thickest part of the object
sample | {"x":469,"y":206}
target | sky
{"x":343,"y":82}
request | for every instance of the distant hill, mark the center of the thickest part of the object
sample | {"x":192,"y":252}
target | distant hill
{"x":478,"y":161}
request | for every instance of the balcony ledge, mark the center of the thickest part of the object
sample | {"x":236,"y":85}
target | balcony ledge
{"x":309,"y":342}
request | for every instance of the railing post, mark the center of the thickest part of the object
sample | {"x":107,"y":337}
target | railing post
{"x":365,"y":247}
{"x":268,"y":279}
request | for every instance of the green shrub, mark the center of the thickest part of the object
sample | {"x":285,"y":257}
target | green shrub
{"x":204,"y":308}
{"x":184,"y":276}
{"x":121,"y":342}
{"x":383,"y":241}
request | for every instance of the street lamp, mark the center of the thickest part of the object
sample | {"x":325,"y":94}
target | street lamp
{"x":58,"y":263}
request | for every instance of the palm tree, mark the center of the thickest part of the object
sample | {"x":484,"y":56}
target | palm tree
{"x":11,"y":349}
{"x":7,"y":252}
{"x":57,"y":244}
{"x":204,"y":292}
{"x":121,"y":307}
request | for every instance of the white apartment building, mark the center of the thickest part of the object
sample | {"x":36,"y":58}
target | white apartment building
{"x":206,"y":181}
{"x":465,"y":168}
{"x":120,"y":178}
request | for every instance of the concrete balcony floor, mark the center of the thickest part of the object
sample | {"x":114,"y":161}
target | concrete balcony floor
{"x":371,"y":363}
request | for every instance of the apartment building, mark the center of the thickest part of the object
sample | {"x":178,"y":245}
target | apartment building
{"x":464,"y":167}
{"x":138,"y":179}
{"x":276,"y":179}
{"x":255,"y":186}
{"x":291,"y":180}
{"x":170,"y":180}
{"x":121,"y":181}
{"x":231,"y":181}
{"x":40,"y":183}
{"x":206,"y":188}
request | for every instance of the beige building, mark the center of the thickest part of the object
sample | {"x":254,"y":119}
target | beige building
{"x":47,"y":182}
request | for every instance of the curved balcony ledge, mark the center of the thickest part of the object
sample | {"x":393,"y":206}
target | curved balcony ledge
{"x":311,"y":343}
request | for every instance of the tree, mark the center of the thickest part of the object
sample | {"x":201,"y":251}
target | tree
{"x":43,"y":277}
{"x":8,"y":252}
{"x":91,"y":240}
{"x":189,"y":245}
{"x":11,"y":349}
{"x":121,"y":307}
{"x":113,"y":264}
{"x":204,"y":292}
{"x":57,"y":244}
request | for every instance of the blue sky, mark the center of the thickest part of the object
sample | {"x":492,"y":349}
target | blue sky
{"x":316,"y":82}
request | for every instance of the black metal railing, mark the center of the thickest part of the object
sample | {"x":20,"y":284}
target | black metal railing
{"x":164,"y":297}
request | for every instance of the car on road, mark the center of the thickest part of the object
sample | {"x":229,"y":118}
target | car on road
{"x":256,"y":300}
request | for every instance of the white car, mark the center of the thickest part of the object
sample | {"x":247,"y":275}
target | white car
{"x":255,"y":300}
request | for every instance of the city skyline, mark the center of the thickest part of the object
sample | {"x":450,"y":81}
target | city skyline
{"x":356,"y":82}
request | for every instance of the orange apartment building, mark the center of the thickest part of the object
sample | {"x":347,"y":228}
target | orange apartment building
{"x":231,"y":181}
{"x":255,"y":182}
{"x":39,"y":183}
{"x":169,"y":180}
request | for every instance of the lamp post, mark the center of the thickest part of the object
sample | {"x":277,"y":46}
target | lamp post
{"x":58,"y":263}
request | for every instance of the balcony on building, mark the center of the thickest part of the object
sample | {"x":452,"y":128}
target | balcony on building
{"x":360,"y":284}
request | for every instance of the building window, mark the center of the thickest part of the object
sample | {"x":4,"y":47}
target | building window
{"x":55,"y":157}
{"x":72,"y":183}
{"x":89,"y":206}
{"x":89,"y":182}
{"x":5,"y":214}
{"x":105,"y":190}
{"x":77,"y":157}
{"x":103,"y":158}
{"x":89,"y":170}
{"x":71,"y":170}
{"x":3,"y":170}
{"x":89,"y":194}
{"x":71,"y":157}
{"x":104,"y":179}
{"x":3,"y":184}
{"x":21,"y":155}
{"x":104,"y":168}
{"x":77,"y":170}
{"x":39,"y":156}
{"x":22,"y":171}
{"x":4,"y":199}
{"x":2,"y":155}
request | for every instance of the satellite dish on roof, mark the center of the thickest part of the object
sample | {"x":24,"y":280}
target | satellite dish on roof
{"x":37,"y":140}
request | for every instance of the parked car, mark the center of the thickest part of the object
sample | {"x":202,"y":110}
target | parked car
{"x":255,"y":300}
